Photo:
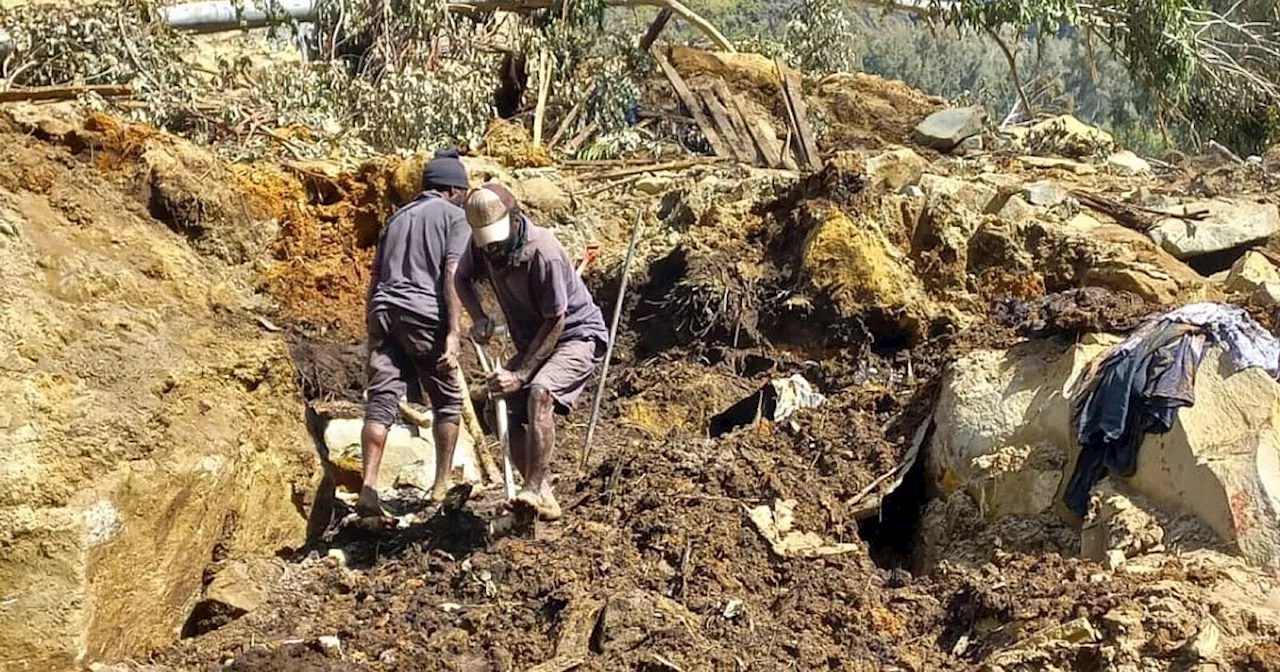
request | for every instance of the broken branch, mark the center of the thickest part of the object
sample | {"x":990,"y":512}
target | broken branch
{"x":64,"y":92}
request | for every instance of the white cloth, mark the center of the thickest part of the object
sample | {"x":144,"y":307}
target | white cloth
{"x":1248,"y":342}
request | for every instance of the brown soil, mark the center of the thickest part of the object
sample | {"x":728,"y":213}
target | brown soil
{"x":657,"y":565}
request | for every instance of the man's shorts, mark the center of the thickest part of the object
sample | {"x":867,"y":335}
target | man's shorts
{"x":565,"y":374}
{"x":403,"y":351}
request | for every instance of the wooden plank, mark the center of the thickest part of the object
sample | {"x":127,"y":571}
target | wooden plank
{"x":792,"y":143}
{"x":544,"y":85}
{"x":651,"y":168}
{"x":762,"y":133}
{"x":691,"y":104}
{"x":655,"y":28}
{"x":800,"y":114}
{"x":739,"y":124}
{"x":725,"y":127}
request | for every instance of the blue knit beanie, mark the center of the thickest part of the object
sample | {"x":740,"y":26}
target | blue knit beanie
{"x":445,"y":170}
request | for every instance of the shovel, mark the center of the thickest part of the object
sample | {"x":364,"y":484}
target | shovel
{"x":500,"y":410}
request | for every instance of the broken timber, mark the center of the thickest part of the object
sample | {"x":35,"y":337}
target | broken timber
{"x":691,"y":104}
{"x":64,"y":92}
{"x":725,"y":127}
{"x":798,"y":113}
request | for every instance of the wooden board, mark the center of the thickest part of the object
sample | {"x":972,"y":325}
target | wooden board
{"x":739,"y":123}
{"x":798,"y":113}
{"x":691,"y":104}
{"x":762,"y":132}
{"x":721,"y":118}
{"x":655,"y":28}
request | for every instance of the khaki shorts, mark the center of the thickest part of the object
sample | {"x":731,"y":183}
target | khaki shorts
{"x":403,"y":351}
{"x":565,"y":374}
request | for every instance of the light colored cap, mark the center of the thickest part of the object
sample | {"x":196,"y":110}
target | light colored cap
{"x":488,"y":217}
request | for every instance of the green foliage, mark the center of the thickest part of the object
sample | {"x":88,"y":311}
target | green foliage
{"x":819,"y":36}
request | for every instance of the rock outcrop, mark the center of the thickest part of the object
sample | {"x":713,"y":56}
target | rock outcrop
{"x":145,"y":419}
{"x":1004,"y":435}
{"x":1228,"y":224}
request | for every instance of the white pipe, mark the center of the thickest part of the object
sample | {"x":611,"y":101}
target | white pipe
{"x":215,"y":16}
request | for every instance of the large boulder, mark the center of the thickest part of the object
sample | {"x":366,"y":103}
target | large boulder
{"x":1003,"y":434}
{"x":945,"y":129}
{"x":1067,"y":136}
{"x":1227,"y":225}
{"x":866,"y":274}
{"x":145,"y":420}
{"x":1087,"y":252}
{"x":408,"y":459}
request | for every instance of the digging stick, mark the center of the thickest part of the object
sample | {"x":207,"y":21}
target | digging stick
{"x":472,"y":424}
{"x":613,"y":334}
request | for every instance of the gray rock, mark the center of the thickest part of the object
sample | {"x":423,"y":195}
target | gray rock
{"x":7,"y":229}
{"x":1127,"y":163}
{"x":543,"y":195}
{"x":945,"y":129}
{"x":976,"y":196}
{"x":1016,"y":209}
{"x":969,"y":145}
{"x":1229,"y":224}
{"x":1044,"y":193}
{"x":911,"y":191}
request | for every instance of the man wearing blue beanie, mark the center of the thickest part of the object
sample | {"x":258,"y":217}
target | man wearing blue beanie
{"x":414,"y":321}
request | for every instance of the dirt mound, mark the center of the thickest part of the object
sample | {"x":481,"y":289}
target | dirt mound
{"x":852,"y":111}
{"x":149,"y":424}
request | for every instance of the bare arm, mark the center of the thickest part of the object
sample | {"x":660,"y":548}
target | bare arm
{"x":544,"y":342}
{"x":452,"y":305}
{"x":465,"y":290}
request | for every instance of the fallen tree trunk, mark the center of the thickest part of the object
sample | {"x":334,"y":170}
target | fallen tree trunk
{"x":215,"y":16}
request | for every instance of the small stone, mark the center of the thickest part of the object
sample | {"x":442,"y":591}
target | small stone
{"x":1207,"y":642}
{"x":7,"y":228}
{"x":911,"y":191}
{"x":543,"y":195}
{"x":336,"y":558}
{"x":1044,"y":193}
{"x":1115,"y":558}
{"x":1254,"y":160}
{"x":976,"y":196}
{"x":652,"y":184}
{"x":1127,"y":163}
{"x":330,"y":645}
{"x":972,"y":143}
{"x":895,"y":169}
{"x":1016,"y":209}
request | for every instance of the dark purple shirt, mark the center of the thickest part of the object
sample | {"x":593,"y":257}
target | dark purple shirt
{"x":414,"y":247}
{"x":541,"y":285}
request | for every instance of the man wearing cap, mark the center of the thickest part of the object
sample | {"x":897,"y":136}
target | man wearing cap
{"x":557,"y":328}
{"x":414,"y":321}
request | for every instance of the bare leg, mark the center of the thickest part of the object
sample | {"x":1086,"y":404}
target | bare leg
{"x":372,"y":441}
{"x":519,"y":440}
{"x":541,"y":448}
{"x":446,"y":438}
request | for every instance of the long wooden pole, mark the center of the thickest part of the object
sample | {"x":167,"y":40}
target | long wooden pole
{"x":613,"y":335}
